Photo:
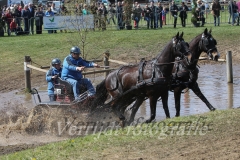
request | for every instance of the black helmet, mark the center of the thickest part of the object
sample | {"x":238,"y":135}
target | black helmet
{"x":56,"y":61}
{"x":75,"y":49}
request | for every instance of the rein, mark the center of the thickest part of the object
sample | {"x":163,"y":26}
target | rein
{"x":158,"y":64}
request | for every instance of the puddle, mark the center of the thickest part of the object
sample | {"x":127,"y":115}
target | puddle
{"x":212,"y":82}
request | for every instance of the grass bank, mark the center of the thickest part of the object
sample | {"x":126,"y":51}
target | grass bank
{"x":125,"y":45}
{"x":143,"y":43}
{"x":206,"y":136}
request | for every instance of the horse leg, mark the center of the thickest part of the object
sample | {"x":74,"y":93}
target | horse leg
{"x":198,"y":92}
{"x":177,"y":97}
{"x":135,"y":108}
{"x":153,"y":103}
{"x":165,"y":104}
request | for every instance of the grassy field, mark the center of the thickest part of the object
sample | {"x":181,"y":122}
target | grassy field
{"x":42,"y":48}
{"x":191,"y":137}
{"x":125,"y":45}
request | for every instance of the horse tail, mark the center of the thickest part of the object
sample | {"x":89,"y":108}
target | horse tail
{"x":101,"y":94}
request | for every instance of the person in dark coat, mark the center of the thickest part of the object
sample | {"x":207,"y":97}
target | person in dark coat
{"x":153,"y":14}
{"x":233,"y":10}
{"x":147,"y":11}
{"x":120,"y":15}
{"x":200,"y":16}
{"x":32,"y":14}
{"x":183,"y":14}
{"x":39,"y":20}
{"x":216,"y":8}
{"x":174,"y":13}
{"x":159,"y":10}
{"x":26,"y":16}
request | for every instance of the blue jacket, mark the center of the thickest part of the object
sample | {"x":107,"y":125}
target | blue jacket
{"x":51,"y":72}
{"x":69,"y":67}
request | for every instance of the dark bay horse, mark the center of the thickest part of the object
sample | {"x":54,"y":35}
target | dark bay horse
{"x":184,"y":77}
{"x":148,"y":79}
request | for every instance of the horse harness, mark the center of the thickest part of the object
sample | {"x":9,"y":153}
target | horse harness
{"x":141,"y":82}
{"x":204,"y":42}
{"x":151,"y":81}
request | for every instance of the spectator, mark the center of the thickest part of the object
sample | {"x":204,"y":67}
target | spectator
{"x":26,"y":16}
{"x":120,"y":15}
{"x":102,"y":14}
{"x":32,"y":14}
{"x":137,"y":15}
{"x":153,"y":15}
{"x":183,"y":14}
{"x":13,"y":26}
{"x":164,"y":12}
{"x":147,"y":11}
{"x":73,"y":66}
{"x":17,"y":15}
{"x":200,"y":16}
{"x":216,"y":7}
{"x":174,"y":12}
{"x":238,"y":5}
{"x":134,"y":7}
{"x":49,"y":13}
{"x":85,"y":10}
{"x":54,"y":9}
{"x":8,"y":17}
{"x":159,"y":14}
{"x":233,"y":10}
{"x":4,"y":9}
{"x":112,"y":13}
{"x":52,"y":76}
{"x":2,"y":23}
{"x":94,"y":9}
{"x":39,"y":20}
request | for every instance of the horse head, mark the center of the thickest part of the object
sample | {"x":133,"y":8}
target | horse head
{"x":208,"y":45}
{"x":181,"y":48}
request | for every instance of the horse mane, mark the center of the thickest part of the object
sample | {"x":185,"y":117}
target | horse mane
{"x":162,"y":50}
{"x":193,"y":45}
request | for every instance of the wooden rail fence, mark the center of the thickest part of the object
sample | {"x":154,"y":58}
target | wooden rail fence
{"x":28,"y":66}
{"x":106,"y":70}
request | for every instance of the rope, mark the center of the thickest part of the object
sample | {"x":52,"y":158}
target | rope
{"x":36,"y":63}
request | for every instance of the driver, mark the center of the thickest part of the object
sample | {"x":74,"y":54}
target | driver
{"x":51,"y":77}
{"x":73,"y":65}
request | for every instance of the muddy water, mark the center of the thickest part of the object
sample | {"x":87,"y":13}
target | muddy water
{"x":212,"y":82}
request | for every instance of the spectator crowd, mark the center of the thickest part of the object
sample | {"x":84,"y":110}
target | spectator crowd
{"x":31,"y":17}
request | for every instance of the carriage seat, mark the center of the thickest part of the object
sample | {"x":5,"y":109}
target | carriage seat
{"x":65,"y":86}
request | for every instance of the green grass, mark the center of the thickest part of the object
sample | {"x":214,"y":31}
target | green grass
{"x":132,"y":138}
{"x":133,"y":44}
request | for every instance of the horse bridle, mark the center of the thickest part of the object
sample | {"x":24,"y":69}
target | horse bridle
{"x":205,"y":42}
{"x":178,"y":47}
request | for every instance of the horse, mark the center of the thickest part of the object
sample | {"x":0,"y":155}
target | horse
{"x":186,"y":76}
{"x":146,"y":79}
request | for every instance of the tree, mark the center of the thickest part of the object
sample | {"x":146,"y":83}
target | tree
{"x":78,"y":26}
{"x":127,"y":13}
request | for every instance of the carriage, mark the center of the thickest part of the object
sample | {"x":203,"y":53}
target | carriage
{"x":152,"y":71}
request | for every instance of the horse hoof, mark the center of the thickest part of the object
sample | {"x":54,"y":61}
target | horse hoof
{"x":213,"y":109}
{"x":147,"y":121}
{"x":122,"y":123}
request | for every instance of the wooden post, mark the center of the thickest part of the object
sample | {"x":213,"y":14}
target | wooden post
{"x":229,"y":67}
{"x":27,"y":60}
{"x":230,"y":95}
{"x":106,"y":62}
